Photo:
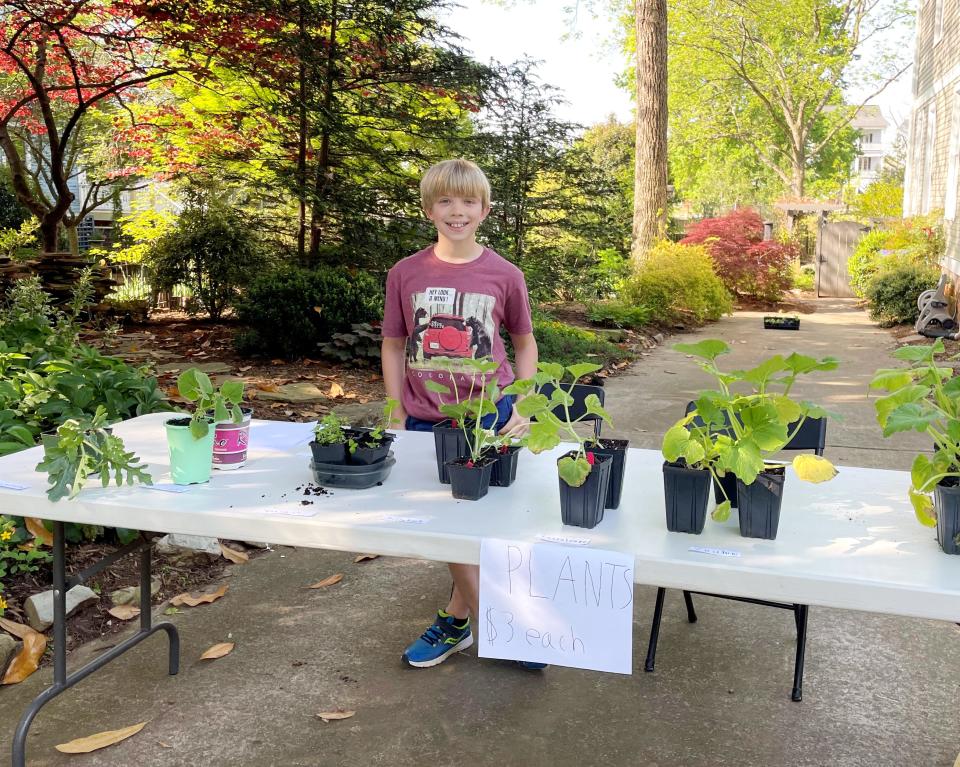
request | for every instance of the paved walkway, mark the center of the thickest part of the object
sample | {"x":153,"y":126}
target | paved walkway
{"x":878,"y":691}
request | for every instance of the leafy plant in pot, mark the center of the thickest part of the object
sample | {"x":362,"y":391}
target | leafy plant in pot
{"x":84,"y":448}
{"x":506,"y":452}
{"x":370,"y":446}
{"x":584,"y":475}
{"x":190,"y":439}
{"x":742,"y":430}
{"x":470,"y":472}
{"x":330,"y":438}
{"x":925,"y":397}
{"x":231,"y":439}
{"x":449,"y":438}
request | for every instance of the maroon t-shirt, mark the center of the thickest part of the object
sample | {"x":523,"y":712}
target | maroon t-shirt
{"x":455,"y":311}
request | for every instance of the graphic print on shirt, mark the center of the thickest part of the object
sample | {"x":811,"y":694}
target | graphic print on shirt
{"x":450,"y":323}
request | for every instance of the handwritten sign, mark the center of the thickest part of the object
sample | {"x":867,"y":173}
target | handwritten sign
{"x":556,"y":604}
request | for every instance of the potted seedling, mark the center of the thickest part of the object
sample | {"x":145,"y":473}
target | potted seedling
{"x":449,"y":437}
{"x":369,"y":446}
{"x":925,"y":397}
{"x":505,"y":450}
{"x":584,"y":475}
{"x":747,"y":419}
{"x":231,"y":439}
{"x":190,"y":439}
{"x":617,"y":450}
{"x":330,"y":438}
{"x":691,"y":455}
{"x":84,"y":448}
{"x":470,"y":473}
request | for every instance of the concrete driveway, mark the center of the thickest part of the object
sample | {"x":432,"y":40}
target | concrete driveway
{"x":878,"y":691}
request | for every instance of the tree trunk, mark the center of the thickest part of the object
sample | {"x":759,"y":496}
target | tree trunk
{"x":49,"y":231}
{"x":797,"y":176}
{"x":324,"y":172}
{"x":650,"y":169}
{"x":73,"y":239}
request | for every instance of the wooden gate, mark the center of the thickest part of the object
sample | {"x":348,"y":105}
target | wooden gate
{"x":836,"y":242}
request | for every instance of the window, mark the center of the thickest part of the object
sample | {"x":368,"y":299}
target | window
{"x":928,"y":149}
{"x":937,"y":21}
{"x":866,"y":163}
{"x":953,"y":162}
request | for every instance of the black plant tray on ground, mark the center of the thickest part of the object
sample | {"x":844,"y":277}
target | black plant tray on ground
{"x":583,"y":506}
{"x":685,"y":494}
{"x":451,"y":444}
{"x":470,"y":483}
{"x":759,"y":504}
{"x":617,"y":450}
{"x":781,"y":323}
{"x":505,"y":467}
{"x":356,"y":477}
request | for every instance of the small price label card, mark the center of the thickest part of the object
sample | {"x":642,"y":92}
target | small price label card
{"x":13,"y":485}
{"x":715,"y":552}
{"x":407,"y":520}
{"x":292,"y":512}
{"x":564,"y":540}
{"x":167,"y":487}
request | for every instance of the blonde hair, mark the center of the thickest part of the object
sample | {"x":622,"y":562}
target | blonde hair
{"x":459,"y":178}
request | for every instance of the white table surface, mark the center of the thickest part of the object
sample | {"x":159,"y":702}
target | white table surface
{"x":850,"y":543}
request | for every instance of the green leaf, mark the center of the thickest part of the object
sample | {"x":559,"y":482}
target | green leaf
{"x":232,"y":391}
{"x":188,"y":384}
{"x":533,"y":405}
{"x":593,"y":407}
{"x":674,"y":442}
{"x":891,"y":379}
{"x":581,"y":369}
{"x":199,"y":428}
{"x":763,"y":427}
{"x":886,"y":405}
{"x":743,"y":458}
{"x":800,"y":363}
{"x":552,"y":369}
{"x":921,"y":472}
{"x":693,"y":453}
{"x":788,"y":411}
{"x":722,"y":512}
{"x":541,"y":437}
{"x":708,"y":349}
{"x":760,"y":374}
{"x":813,"y":468}
{"x":914,"y":416}
{"x":573,"y":471}
{"x":923,"y":508}
{"x":918,"y":353}
{"x":436,"y":387}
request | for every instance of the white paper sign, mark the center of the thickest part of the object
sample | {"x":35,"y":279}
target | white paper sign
{"x":714,"y":551}
{"x":556,"y":604}
{"x":13,"y":485}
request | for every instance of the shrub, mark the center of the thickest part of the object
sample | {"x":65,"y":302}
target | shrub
{"x":678,"y":281}
{"x":616,"y":314}
{"x":212,"y":249}
{"x":290,"y":310}
{"x":567,"y":344}
{"x":917,"y":240}
{"x":803,"y":277}
{"x":748,"y":265}
{"x":893,"y":292}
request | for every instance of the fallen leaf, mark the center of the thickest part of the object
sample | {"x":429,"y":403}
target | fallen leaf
{"x":327,"y":582}
{"x":124,"y":612}
{"x":277,"y":362}
{"x":17,"y":629}
{"x":268,"y":387}
{"x":163,"y":745}
{"x":336,"y":390}
{"x":100,"y":740}
{"x":38,"y":531}
{"x":218,"y":651}
{"x":237,"y":557}
{"x":318,"y":309}
{"x":191,"y":601}
{"x":363,"y":557}
{"x":27,"y":660}
{"x":331,"y":716}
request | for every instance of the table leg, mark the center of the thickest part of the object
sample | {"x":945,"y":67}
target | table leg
{"x":61,"y":680}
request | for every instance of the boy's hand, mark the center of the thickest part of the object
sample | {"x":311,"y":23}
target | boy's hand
{"x":517,"y":426}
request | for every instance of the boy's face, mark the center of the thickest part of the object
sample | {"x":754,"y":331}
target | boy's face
{"x":457,"y":218}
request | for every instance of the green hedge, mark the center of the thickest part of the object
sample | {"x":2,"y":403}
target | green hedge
{"x":893,"y":292}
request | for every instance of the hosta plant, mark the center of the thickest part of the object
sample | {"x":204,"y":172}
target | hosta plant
{"x":923,"y":397}
{"x":553,"y":422}
{"x":748,"y":418}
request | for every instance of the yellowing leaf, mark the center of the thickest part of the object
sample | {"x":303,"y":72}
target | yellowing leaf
{"x":27,"y":660}
{"x":813,"y":468}
{"x":17,"y":629}
{"x":364,"y":557}
{"x":237,"y":557}
{"x":192,"y":601}
{"x":336,"y":390}
{"x":124,"y":612}
{"x":218,"y":651}
{"x":332,"y":716}
{"x":38,"y":531}
{"x":100,"y":740}
{"x":327,"y":582}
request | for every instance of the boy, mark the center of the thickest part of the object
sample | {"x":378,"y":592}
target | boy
{"x":450,"y":300}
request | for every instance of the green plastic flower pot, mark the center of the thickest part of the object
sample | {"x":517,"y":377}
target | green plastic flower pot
{"x":191,"y":460}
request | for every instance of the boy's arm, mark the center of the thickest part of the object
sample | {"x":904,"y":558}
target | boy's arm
{"x":393,"y":361}
{"x":525,"y":366}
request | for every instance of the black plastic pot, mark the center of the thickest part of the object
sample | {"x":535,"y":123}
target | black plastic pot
{"x":617,"y":450}
{"x":686,"y":493}
{"x":583,"y":506}
{"x":759,"y":508}
{"x":333,"y":454}
{"x":729,"y":483}
{"x":505,"y":466}
{"x":946,"y":500}
{"x":365,"y":455}
{"x":451,"y":444}
{"x":470,"y":483}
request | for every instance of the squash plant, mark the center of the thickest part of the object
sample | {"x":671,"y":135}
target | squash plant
{"x":222,"y":405}
{"x":481,"y":400}
{"x":924,"y":397}
{"x":550,"y":428}
{"x":742,"y":430}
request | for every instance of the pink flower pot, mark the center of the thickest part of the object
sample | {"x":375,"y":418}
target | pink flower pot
{"x":230,"y":443}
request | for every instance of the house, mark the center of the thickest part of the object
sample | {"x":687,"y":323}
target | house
{"x":871,"y":145}
{"x":933,"y":154}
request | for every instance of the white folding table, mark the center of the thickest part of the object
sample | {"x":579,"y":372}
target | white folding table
{"x":851,"y":543}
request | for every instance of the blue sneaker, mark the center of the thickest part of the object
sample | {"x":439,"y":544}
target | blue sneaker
{"x":439,"y":641}
{"x":529,"y":665}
